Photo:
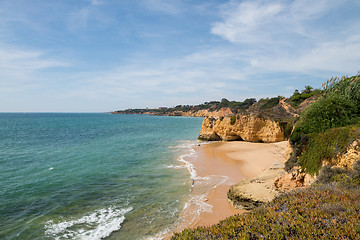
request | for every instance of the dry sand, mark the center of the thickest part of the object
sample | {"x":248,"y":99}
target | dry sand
{"x":226,"y":164}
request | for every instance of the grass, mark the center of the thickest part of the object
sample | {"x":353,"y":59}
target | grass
{"x":324,"y":211}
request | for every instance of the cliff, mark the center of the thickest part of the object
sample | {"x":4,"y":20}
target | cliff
{"x":241,"y":128}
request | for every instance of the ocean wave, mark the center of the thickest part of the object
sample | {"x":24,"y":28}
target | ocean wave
{"x":186,"y":164}
{"x":200,"y":202}
{"x":96,"y":225}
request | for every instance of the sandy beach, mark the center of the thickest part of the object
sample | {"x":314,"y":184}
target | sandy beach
{"x":220,"y":165}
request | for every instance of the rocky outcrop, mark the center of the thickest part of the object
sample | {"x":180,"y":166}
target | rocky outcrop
{"x":348,"y":159}
{"x":251,"y":193}
{"x":254,"y":192}
{"x":241,"y":127}
{"x":297,"y":178}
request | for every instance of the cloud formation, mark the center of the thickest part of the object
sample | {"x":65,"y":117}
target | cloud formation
{"x":96,"y":55}
{"x":265,"y":21}
{"x":300,"y":36}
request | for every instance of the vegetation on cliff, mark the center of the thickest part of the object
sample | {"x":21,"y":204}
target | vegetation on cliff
{"x":265,"y":107}
{"x":328,"y":210}
{"x":297,"y":98}
{"x":327,"y":127}
{"x":234,"y":106}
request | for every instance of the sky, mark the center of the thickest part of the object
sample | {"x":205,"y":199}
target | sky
{"x":106,"y":55}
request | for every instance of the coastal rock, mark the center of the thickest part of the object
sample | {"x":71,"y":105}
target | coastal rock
{"x":350,"y":157}
{"x":241,"y":127}
{"x":297,"y":178}
{"x":251,"y":193}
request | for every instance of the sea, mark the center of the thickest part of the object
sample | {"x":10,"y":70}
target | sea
{"x":94,"y":175}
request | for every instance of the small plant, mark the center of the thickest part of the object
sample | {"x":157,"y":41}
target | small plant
{"x":233,"y":120}
{"x":324,"y":211}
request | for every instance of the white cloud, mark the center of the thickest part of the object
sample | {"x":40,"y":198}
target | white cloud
{"x":15,"y":59}
{"x":264,"y":21}
{"x":335,"y":56}
{"x":241,"y":21}
{"x":290,"y":36}
{"x":19,"y":69}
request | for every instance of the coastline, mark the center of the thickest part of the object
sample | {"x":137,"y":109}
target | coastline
{"x":218,"y":166}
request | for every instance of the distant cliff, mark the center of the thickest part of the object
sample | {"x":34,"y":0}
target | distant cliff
{"x":214,"y":109}
{"x":266,"y":120}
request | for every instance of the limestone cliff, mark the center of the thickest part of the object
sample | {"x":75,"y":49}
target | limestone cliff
{"x":203,"y":113}
{"x":241,"y":127}
{"x":347,"y":159}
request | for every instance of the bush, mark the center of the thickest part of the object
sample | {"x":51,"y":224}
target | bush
{"x":327,"y":174}
{"x":316,"y":135}
{"x":326,"y":146}
{"x":355,"y":175}
{"x":348,"y":87}
{"x":298,"y":98}
{"x":269,"y":103}
{"x":233,"y":120}
{"x":328,"y":112}
{"x":291,"y":162}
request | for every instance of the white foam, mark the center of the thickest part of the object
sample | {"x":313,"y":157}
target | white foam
{"x":174,"y":167}
{"x":191,"y":152}
{"x":96,"y":225}
{"x":200,"y":201}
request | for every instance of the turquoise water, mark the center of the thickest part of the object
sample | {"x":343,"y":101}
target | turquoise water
{"x":90,"y":176}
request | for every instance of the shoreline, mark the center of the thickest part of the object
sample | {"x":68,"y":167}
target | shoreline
{"x":218,"y":166}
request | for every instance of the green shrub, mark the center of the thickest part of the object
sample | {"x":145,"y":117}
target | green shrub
{"x":338,"y":107}
{"x":233,"y":120}
{"x":327,"y":174}
{"x":355,"y":175}
{"x":326,"y":146}
{"x":328,"y":112}
{"x":269,"y":103}
{"x":348,"y":87}
{"x":298,"y":98}
{"x":291,"y":162}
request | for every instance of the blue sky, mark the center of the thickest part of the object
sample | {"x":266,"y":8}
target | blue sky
{"x":104,"y":55}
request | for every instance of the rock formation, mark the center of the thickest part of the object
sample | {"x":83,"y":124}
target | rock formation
{"x":347,"y":159}
{"x":241,"y":127}
{"x":251,"y":193}
{"x":297,"y":178}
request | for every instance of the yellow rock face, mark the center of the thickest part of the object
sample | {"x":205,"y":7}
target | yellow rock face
{"x":246,"y":127}
{"x":350,"y":157}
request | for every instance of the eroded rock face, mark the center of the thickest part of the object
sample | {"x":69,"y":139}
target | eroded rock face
{"x":241,"y":127}
{"x":297,"y":178}
{"x":352,"y":155}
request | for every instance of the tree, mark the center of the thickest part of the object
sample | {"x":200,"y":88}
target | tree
{"x":296,"y":92}
{"x":307,"y":89}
